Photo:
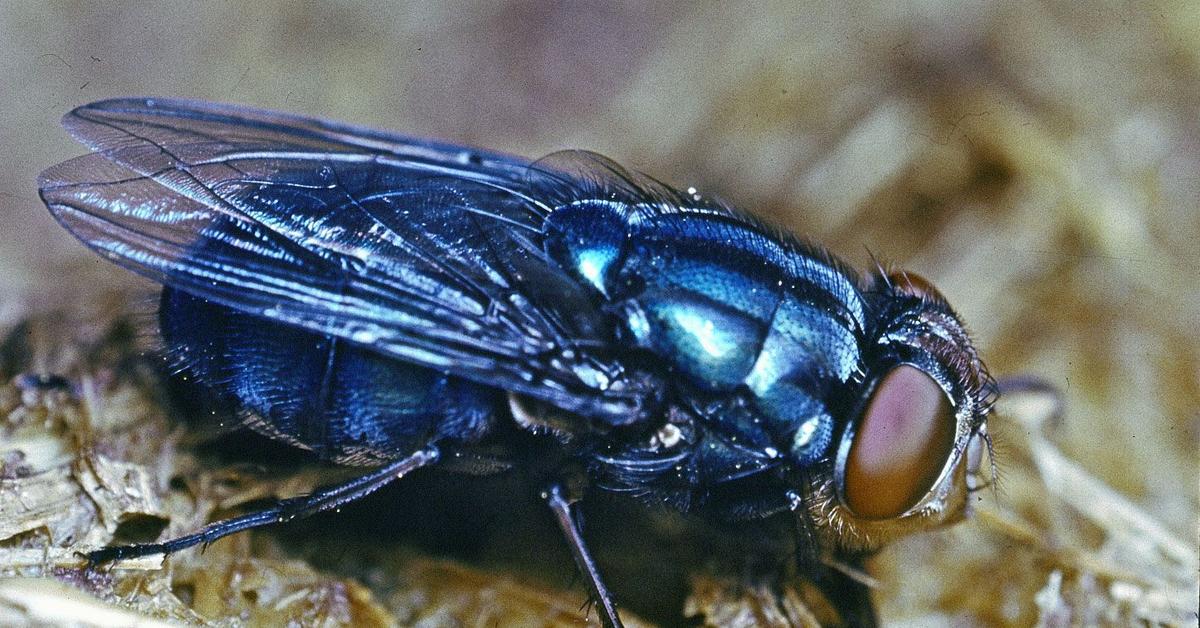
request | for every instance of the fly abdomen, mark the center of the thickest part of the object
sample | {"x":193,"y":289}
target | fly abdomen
{"x":318,"y":392}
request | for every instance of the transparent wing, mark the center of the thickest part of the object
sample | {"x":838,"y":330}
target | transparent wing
{"x":428,"y":252}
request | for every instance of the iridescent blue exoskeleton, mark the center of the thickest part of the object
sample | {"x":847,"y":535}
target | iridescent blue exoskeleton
{"x":386,"y":301}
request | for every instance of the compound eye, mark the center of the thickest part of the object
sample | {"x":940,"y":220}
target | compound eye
{"x":911,"y":283}
{"x":902,"y":442}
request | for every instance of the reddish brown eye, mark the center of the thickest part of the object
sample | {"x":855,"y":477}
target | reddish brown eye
{"x":901,"y":444}
{"x":911,"y":283}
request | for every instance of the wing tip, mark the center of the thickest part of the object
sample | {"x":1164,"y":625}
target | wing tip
{"x":89,"y":167}
{"x":106,"y":105}
{"x":97,"y":125}
{"x":123,"y":104}
{"x":55,"y":177}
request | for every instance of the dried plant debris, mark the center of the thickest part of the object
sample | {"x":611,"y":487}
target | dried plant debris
{"x":731,"y":603}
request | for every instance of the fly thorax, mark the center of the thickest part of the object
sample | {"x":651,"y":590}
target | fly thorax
{"x":712,"y":300}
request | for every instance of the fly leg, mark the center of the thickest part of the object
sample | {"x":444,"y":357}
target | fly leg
{"x":560,"y":505}
{"x":324,"y":498}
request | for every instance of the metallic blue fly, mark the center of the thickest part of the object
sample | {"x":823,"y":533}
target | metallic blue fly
{"x":384,"y":300}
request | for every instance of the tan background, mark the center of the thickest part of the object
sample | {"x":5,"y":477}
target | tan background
{"x":1039,"y":162}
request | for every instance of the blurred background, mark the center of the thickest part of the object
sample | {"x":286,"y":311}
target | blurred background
{"x":1040,"y":162}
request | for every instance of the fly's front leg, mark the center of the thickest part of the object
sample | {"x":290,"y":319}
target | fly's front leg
{"x":562,"y":507}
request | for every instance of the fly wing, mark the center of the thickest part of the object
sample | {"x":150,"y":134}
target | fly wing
{"x":427,"y":252}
